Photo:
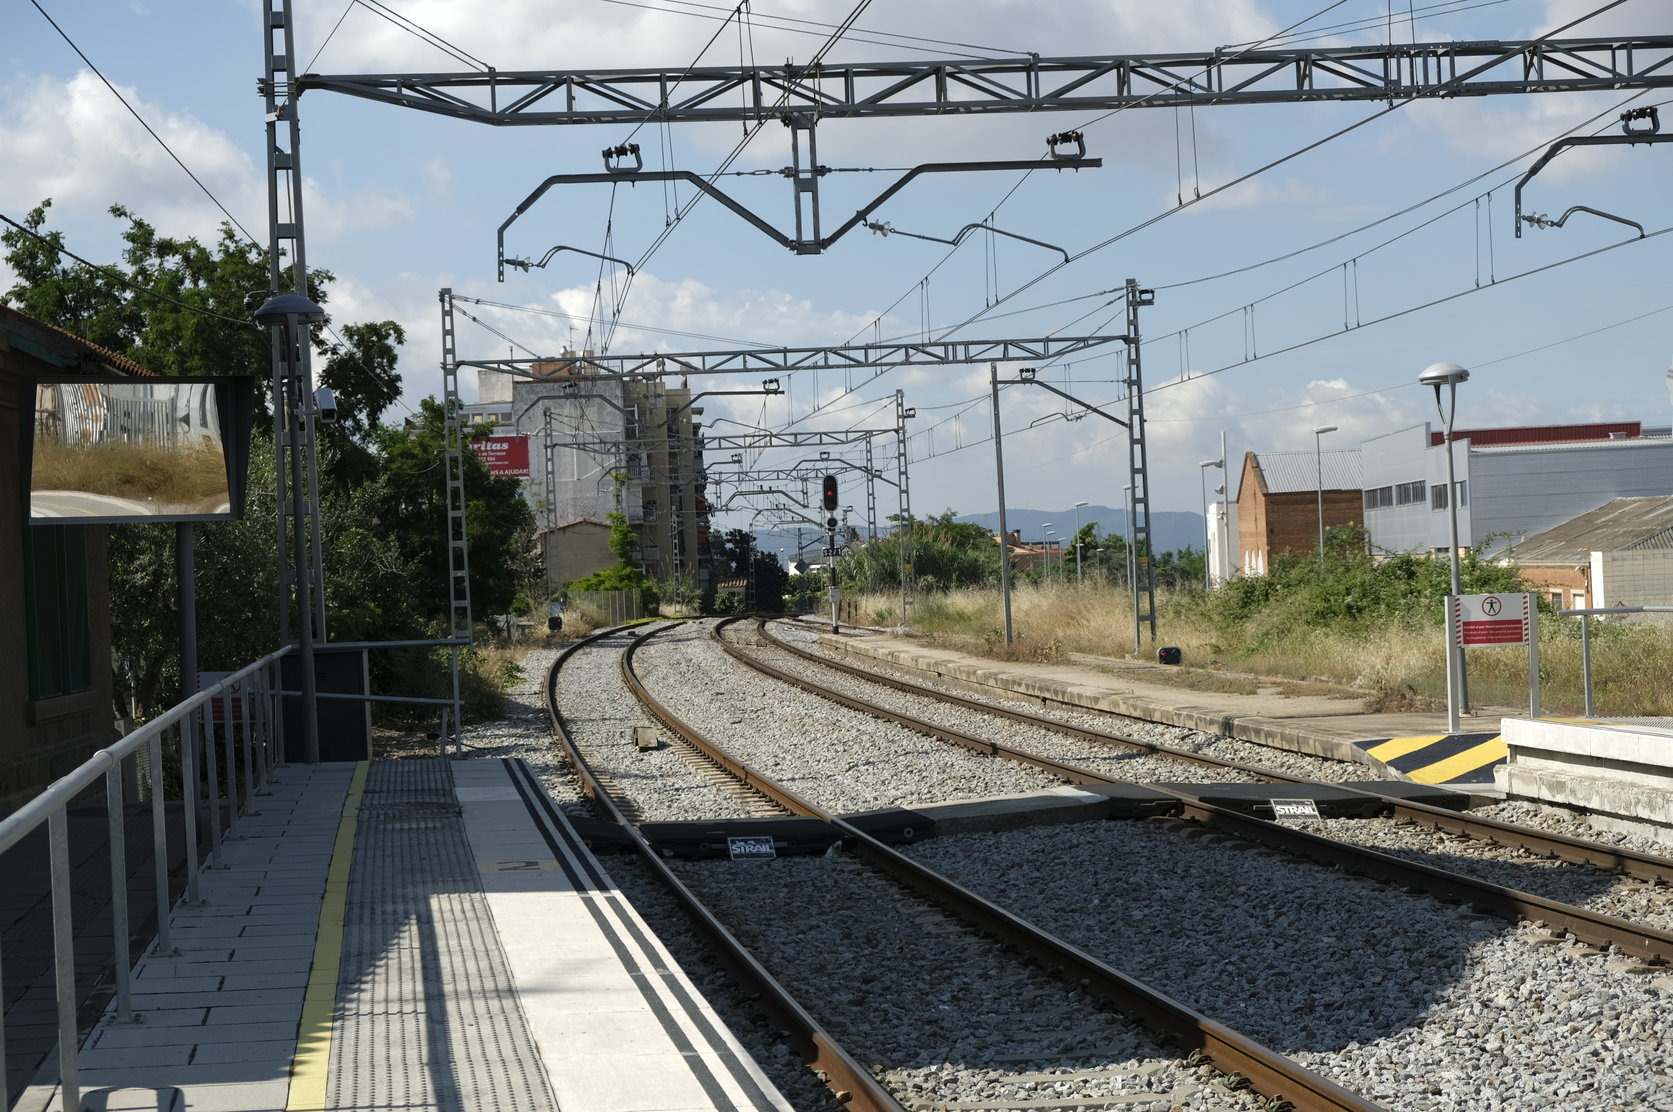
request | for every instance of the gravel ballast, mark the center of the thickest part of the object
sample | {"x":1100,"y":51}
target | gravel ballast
{"x":1408,"y":1002}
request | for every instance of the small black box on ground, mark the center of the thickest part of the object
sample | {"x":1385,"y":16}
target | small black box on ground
{"x":345,"y":725}
{"x":1167,"y":654}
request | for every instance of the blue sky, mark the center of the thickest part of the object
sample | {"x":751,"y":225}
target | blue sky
{"x":401,"y":204}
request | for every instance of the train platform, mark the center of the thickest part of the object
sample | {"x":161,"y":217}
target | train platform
{"x":412,"y":934}
{"x":1413,"y":746}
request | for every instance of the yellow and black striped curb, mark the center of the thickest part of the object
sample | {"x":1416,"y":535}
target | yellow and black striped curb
{"x":1440,"y":758}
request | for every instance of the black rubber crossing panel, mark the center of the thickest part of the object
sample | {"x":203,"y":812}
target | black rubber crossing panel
{"x":1256,"y":799}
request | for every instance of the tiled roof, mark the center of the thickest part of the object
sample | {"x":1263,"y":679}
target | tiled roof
{"x":51,"y":335}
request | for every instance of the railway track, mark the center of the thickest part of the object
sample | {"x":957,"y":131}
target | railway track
{"x":1468,"y":859}
{"x":1062,"y":869}
{"x":1065,"y":1007}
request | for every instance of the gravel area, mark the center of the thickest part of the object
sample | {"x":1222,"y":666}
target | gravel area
{"x":1595,"y":889}
{"x":524,"y":732}
{"x":836,"y":758}
{"x":600,"y":713}
{"x":940,"y":1013}
{"x":1123,"y":765}
{"x":1411,"y":1003}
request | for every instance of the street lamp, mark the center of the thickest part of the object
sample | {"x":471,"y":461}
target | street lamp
{"x":1450,"y":375}
{"x":1318,"y":464}
{"x":1079,"y":582}
{"x":1045,"y":538}
{"x":1202,"y":481}
{"x":289,"y":313}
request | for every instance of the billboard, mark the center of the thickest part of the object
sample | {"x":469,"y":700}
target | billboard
{"x":504,"y":455}
{"x":137,"y":449}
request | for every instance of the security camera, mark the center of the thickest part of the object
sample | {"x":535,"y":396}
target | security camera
{"x":325,"y":404}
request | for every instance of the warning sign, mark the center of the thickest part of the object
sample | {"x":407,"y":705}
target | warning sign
{"x":1492,"y":619}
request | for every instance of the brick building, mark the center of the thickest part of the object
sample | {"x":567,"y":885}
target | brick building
{"x":1278,"y":502}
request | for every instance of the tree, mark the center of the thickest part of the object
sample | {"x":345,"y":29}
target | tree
{"x":178,"y":307}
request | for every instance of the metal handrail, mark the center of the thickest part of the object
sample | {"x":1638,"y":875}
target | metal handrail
{"x":256,"y":689}
{"x":1585,"y":616}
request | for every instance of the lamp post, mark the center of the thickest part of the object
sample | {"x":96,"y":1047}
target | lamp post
{"x":1450,"y":375}
{"x":1079,"y":581}
{"x":1202,"y":481}
{"x":1045,"y":542}
{"x":1050,"y":534}
{"x":1318,"y":465}
{"x":293,"y":418}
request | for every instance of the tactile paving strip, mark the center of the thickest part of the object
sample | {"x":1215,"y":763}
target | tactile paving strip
{"x":426,"y":1014}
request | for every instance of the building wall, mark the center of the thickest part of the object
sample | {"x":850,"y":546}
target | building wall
{"x":1508,"y":492}
{"x":41,"y":740}
{"x":1565,"y":586}
{"x":1523,"y":492}
{"x":577,"y":550}
{"x":1635,"y":578}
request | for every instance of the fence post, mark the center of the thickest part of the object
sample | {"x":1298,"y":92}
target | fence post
{"x":1586,"y":659}
{"x":159,"y":844}
{"x":116,"y":812}
{"x":64,"y":958}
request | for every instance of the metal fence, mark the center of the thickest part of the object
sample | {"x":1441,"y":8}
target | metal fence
{"x":1585,"y":616}
{"x":228,"y":741}
{"x":615,"y":607}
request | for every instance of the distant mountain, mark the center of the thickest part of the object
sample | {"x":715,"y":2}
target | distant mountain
{"x":1170,"y":531}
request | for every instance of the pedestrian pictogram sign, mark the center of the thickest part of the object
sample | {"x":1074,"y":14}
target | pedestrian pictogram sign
{"x":1492,"y":619}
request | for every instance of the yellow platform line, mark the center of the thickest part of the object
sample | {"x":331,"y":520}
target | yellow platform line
{"x":309,"y":1067}
{"x":1455,"y":766}
{"x":1396,"y":747}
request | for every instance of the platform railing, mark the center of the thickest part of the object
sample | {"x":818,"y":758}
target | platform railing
{"x":242,"y":717}
{"x":1585,"y":615}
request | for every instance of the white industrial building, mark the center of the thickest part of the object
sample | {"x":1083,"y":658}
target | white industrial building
{"x":1512,"y":483}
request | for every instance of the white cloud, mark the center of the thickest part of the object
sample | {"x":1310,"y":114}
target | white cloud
{"x":74,"y":142}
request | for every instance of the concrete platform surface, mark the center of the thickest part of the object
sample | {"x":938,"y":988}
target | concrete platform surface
{"x":418,"y":934}
{"x":1322,"y":725}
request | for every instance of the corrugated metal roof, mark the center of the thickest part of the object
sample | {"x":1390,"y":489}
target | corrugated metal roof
{"x":1293,"y":472}
{"x":1618,"y":525}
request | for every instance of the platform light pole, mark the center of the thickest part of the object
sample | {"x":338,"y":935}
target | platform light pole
{"x":290,"y":314}
{"x":1450,"y":375}
{"x":1318,"y":465}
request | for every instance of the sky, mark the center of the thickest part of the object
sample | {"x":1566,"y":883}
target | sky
{"x":1290,"y":291}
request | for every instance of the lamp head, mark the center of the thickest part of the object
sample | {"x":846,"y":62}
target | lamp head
{"x":1443,"y":374}
{"x":1212,"y":463}
{"x":284,"y":307}
{"x":1322,"y":429}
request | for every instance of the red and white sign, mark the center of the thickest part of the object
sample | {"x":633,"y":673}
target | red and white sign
{"x":1492,"y":619}
{"x":505,"y":455}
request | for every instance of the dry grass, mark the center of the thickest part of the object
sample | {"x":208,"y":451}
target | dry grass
{"x":140,"y":472}
{"x":1399,"y":667}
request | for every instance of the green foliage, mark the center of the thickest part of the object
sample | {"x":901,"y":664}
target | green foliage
{"x":1349,"y":590}
{"x":623,"y":575}
{"x":944,"y":553}
{"x":382,"y":497}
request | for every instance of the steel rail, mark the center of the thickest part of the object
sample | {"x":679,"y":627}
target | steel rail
{"x":1267,"y":1071}
{"x":1579,"y":851}
{"x":850,"y":1082}
{"x":1587,"y":926}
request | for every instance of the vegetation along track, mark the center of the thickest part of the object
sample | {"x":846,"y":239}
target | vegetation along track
{"x":1606,"y":896}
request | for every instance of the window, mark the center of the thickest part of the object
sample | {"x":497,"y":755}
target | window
{"x":1408,"y":494}
{"x":1438,"y":495}
{"x":55,"y":594}
{"x":1556,"y":600}
{"x":1379,"y":498}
